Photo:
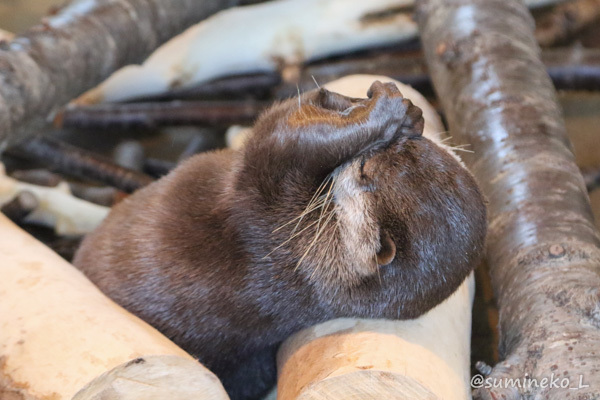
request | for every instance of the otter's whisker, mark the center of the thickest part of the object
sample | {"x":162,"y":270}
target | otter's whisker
{"x":324,"y":209}
{"x":378,"y":270}
{"x":315,"y":199}
{"x":461,"y":149}
{"x":320,"y":189}
{"x":310,"y":208}
{"x":323,"y":204}
{"x":290,"y":238}
{"x":319,"y":204}
{"x":316,"y":238}
{"x":324,"y":254}
{"x":320,"y":228}
{"x":315,"y":81}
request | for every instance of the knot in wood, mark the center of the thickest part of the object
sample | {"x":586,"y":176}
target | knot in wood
{"x":556,"y":251}
{"x":448,"y":53}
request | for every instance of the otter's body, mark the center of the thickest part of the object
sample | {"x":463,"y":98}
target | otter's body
{"x":334,"y":208}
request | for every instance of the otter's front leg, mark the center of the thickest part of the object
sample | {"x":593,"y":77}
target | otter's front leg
{"x":321,"y":130}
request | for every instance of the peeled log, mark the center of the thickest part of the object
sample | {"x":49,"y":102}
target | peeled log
{"x":57,"y":207}
{"x":543,"y":247}
{"x":263,"y":38}
{"x":425,"y":358}
{"x":154,"y":378}
{"x":58,"y":331}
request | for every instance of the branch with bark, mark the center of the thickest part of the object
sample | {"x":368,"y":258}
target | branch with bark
{"x":151,"y":115}
{"x":78,"y":47}
{"x":543,"y":246}
{"x":86,"y":41}
{"x":80,"y":163}
{"x":569,"y":68}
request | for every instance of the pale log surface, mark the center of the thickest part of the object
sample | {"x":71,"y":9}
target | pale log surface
{"x":542,"y":244}
{"x":422,"y":359}
{"x":75,"y":49}
{"x":57,"y":207}
{"x":58,"y":331}
{"x":155,"y":378}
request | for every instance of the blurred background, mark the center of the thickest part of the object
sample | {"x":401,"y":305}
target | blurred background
{"x":18,"y":15}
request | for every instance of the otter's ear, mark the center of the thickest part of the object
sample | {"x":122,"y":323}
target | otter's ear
{"x":387,"y":252}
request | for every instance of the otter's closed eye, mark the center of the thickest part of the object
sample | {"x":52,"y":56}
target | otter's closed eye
{"x":363,"y":161}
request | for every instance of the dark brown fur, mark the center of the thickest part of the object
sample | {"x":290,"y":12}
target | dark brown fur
{"x":204,"y":256}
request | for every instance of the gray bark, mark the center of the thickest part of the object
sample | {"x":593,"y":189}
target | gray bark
{"x":80,"y":46}
{"x":543,"y":246}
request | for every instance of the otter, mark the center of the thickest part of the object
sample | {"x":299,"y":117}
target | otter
{"x":335,"y":207}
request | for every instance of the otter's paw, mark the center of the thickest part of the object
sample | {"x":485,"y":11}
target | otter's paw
{"x":388,"y":107}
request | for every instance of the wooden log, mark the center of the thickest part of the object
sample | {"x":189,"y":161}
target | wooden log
{"x":77,"y":47}
{"x":58,"y":331}
{"x":543,"y":247}
{"x":58,"y":208}
{"x":424,"y":358}
{"x":68,"y":159}
{"x":264,"y":38}
{"x":154,"y":378}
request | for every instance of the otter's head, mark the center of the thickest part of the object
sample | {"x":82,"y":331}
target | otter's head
{"x":379,"y":220}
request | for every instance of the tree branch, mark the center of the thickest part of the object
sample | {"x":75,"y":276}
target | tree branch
{"x":156,"y":114}
{"x":80,"y":163}
{"x":569,"y":68}
{"x":542,"y":241}
{"x":79,"y":47}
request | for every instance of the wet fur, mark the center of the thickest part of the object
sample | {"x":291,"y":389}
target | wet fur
{"x":205,"y":254}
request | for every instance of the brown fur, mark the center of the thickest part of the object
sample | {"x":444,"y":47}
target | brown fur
{"x":216,"y":257}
